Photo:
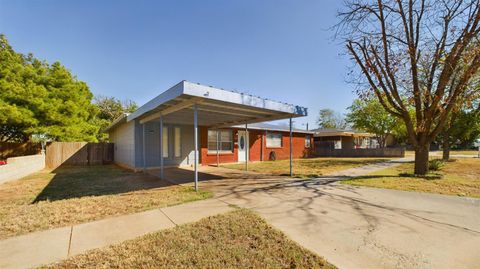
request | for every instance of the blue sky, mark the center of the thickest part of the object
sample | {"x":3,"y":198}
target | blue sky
{"x":282,"y":50}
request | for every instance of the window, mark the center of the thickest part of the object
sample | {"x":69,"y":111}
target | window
{"x":274,"y":140}
{"x":165,"y":142}
{"x":308,"y":141}
{"x":178,"y":143}
{"x":225,"y":140}
{"x":337,"y":144}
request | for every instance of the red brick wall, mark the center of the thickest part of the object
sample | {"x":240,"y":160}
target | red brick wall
{"x":206,"y":158}
{"x":257,"y":147}
{"x":256,"y":144}
{"x":298,"y":149}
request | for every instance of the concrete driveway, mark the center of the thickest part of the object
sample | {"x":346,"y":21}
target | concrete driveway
{"x":356,"y":227}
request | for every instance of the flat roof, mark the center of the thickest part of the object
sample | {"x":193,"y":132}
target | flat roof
{"x":216,"y":107}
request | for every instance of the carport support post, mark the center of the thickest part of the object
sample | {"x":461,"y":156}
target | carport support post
{"x":161,"y":146}
{"x":195,"y":137}
{"x":247,"y":151}
{"x":291,"y":173}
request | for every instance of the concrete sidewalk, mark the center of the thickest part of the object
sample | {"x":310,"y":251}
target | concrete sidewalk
{"x":48,"y":246}
{"x":360,"y":227}
{"x":370,"y":168}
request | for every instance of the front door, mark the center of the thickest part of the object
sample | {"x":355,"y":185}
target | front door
{"x":242,"y":146}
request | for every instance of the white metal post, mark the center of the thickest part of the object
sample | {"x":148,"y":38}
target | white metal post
{"x":247,"y":152}
{"x":218,"y":145}
{"x":195,"y":137}
{"x":291,"y":172}
{"x":161,"y":147}
{"x":143,"y":148}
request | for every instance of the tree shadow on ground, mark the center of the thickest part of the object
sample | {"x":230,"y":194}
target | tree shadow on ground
{"x":81,"y":181}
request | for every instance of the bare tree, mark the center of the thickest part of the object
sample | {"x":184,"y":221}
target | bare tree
{"x":328,"y":118}
{"x":416,"y":56}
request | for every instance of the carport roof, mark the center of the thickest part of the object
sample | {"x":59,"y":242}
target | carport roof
{"x":272,"y":127}
{"x":216,"y":107}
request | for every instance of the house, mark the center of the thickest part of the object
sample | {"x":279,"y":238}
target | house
{"x":343,"y":139}
{"x":192,"y":124}
{"x":268,"y":142}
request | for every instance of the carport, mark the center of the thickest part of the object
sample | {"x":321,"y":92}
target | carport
{"x":197,"y":105}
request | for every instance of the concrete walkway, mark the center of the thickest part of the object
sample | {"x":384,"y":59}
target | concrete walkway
{"x":360,"y":227}
{"x":353,"y":227}
{"x":368,"y":169}
{"x":48,"y":246}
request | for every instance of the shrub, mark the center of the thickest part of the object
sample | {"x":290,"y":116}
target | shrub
{"x":435,"y":164}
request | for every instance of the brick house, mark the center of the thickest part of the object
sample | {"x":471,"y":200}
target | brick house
{"x":191,"y":124}
{"x":266,"y":142}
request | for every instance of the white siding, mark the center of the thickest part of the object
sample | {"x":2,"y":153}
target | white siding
{"x":188,"y":155}
{"x":123,"y":138}
{"x":152,"y":146}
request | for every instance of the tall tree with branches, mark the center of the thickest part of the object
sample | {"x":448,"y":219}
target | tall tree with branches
{"x":461,"y":128}
{"x":330,"y":119}
{"x":414,"y":54}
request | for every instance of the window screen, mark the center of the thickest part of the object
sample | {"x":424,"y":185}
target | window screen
{"x":308,"y":139}
{"x":178,"y":142}
{"x":225,"y":142}
{"x":165,"y":142}
{"x":274,"y":140}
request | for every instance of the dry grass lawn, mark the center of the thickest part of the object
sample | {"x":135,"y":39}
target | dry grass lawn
{"x":464,"y":152}
{"x":239,"y":239}
{"x":73,"y":195}
{"x":459,"y":177}
{"x":452,"y":152}
{"x":306,"y":168}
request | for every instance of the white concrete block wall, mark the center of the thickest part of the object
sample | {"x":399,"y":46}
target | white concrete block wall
{"x":19,"y":167}
{"x":123,"y":138}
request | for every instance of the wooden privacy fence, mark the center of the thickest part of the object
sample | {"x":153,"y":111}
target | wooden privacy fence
{"x":78,"y":153}
{"x":8,"y":150}
{"x":376,"y":152}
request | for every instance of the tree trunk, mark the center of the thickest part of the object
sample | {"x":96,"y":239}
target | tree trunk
{"x":446,"y":147}
{"x":421,"y":159}
{"x":446,"y":137}
{"x":382,"y":143}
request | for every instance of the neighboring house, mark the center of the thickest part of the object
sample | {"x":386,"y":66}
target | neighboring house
{"x":215,"y":113}
{"x":343,"y":139}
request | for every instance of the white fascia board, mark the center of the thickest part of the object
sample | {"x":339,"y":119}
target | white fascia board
{"x":212,"y":93}
{"x":164,"y":97}
{"x":208,"y":92}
